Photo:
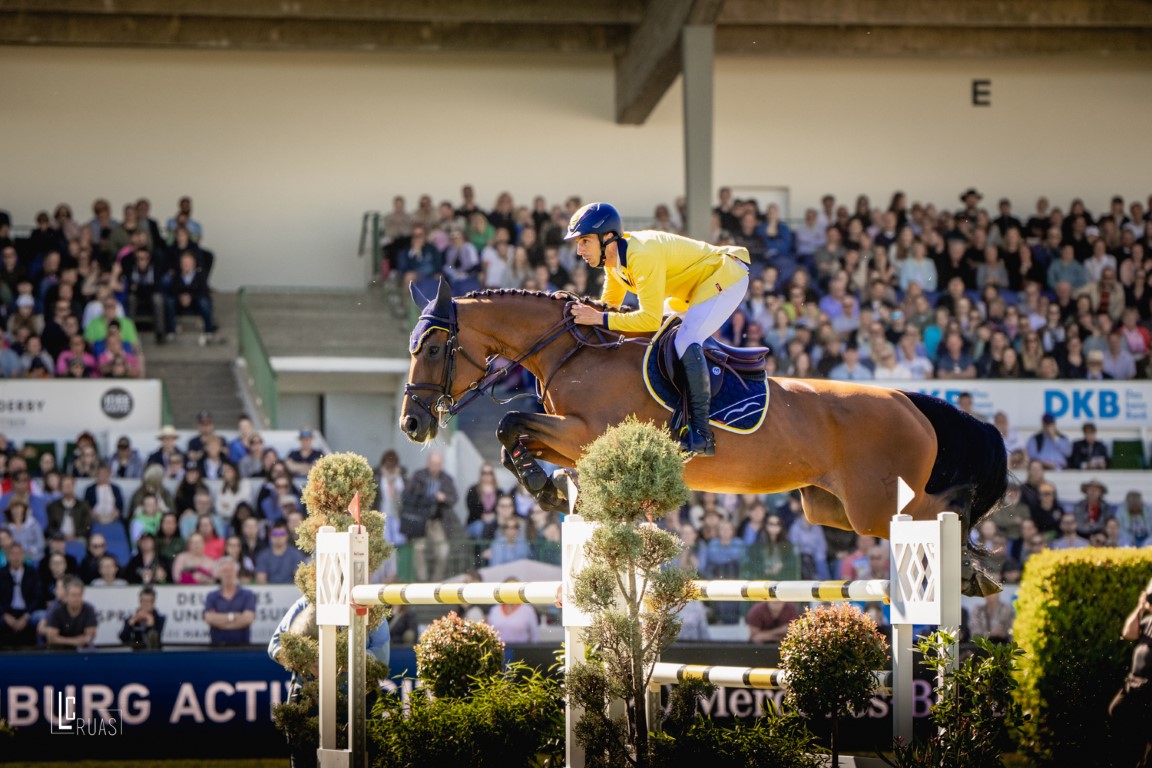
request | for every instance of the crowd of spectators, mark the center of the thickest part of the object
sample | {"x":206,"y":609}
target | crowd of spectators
{"x":72,"y":295}
{"x":910,"y":291}
{"x":174,"y":516}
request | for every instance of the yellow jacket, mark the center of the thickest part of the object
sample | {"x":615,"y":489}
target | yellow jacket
{"x":660,"y":265}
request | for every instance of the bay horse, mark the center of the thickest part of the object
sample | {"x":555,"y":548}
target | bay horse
{"x":843,"y":445}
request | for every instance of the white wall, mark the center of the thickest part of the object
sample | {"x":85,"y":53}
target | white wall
{"x":283,"y":152}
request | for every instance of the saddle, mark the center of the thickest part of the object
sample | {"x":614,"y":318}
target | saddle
{"x":738,"y":378}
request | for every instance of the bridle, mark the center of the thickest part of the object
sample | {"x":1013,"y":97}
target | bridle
{"x":443,"y":405}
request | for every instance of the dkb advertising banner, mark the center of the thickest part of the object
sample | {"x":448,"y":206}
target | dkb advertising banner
{"x":1109,"y":404}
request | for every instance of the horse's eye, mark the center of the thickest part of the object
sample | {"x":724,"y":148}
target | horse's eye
{"x":433,"y":351}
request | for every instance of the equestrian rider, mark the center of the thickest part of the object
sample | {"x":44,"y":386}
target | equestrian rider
{"x":710,"y":279}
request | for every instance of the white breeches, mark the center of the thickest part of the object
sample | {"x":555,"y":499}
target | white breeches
{"x":704,"y":319}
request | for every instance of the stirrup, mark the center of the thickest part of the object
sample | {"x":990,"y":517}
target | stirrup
{"x":697,"y":442}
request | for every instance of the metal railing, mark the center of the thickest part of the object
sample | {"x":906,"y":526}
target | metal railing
{"x":265,"y":382}
{"x":370,"y":239}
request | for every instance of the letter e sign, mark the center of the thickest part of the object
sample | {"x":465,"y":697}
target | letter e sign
{"x":981,"y":93}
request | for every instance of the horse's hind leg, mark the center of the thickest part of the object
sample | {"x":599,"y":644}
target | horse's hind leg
{"x":821,"y":507}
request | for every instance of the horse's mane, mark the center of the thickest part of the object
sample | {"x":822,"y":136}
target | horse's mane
{"x":564,"y":296}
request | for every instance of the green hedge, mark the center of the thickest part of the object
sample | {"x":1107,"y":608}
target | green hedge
{"x":1069,"y":614}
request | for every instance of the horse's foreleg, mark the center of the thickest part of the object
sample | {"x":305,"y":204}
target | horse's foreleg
{"x":527,"y":437}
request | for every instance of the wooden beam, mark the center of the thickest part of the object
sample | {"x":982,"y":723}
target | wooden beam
{"x":611,"y":12}
{"x":301,"y":34}
{"x":936,"y":42}
{"x":963,"y":13}
{"x":652,"y":61}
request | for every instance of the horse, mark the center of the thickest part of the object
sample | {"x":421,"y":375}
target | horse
{"x":843,"y":445}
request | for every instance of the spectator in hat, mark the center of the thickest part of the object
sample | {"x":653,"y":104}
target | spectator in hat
{"x":1049,"y":446}
{"x":1088,"y":453}
{"x":1092,"y":511}
{"x":168,"y":448}
{"x":300,"y":460}
{"x":1094,"y":365}
{"x":205,"y":426}
{"x":126,"y":461}
{"x":971,"y":200}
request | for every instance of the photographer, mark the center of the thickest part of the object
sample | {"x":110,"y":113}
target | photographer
{"x":145,"y":628}
{"x":1131,"y":708}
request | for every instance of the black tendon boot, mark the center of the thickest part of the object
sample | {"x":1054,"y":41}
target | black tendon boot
{"x":531,"y":473}
{"x":700,"y":441}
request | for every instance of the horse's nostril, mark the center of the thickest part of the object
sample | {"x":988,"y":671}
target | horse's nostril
{"x":411,"y":424}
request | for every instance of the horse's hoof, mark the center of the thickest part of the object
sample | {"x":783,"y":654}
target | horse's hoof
{"x":552,"y":500}
{"x":977,"y":583}
{"x":564,"y":480}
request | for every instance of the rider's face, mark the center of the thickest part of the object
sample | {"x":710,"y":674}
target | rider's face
{"x":588,"y":248}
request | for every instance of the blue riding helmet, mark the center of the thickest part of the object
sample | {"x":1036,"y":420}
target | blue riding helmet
{"x":598,"y":219}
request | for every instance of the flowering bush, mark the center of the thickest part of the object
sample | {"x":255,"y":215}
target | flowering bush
{"x":453,"y":653}
{"x":828,"y":657}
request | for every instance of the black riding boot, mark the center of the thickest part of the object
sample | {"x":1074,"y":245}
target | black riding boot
{"x":700,"y":441}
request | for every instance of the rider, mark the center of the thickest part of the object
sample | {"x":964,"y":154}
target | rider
{"x":711,"y":280}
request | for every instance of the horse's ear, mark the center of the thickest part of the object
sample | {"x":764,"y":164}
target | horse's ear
{"x":418,"y":297}
{"x":443,"y":299}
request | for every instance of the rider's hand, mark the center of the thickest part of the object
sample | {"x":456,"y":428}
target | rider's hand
{"x":586,"y":315}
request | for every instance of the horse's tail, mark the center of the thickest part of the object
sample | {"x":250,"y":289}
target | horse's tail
{"x":971,"y":468}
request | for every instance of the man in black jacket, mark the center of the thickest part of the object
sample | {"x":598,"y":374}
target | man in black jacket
{"x":1088,"y":453}
{"x":20,"y":595}
{"x":188,"y":294}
